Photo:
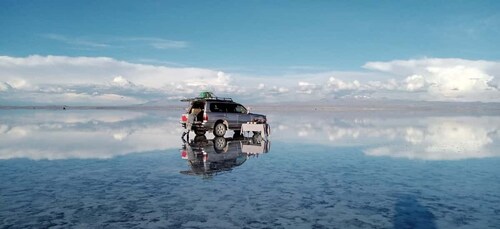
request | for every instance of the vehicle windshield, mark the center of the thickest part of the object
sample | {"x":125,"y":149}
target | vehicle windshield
{"x":240,"y":109}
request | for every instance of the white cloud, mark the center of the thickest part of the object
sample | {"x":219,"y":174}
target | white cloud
{"x":122,"y":82}
{"x":56,"y":79}
{"x":280,"y":89}
{"x":415,"y":83}
{"x":307,"y":88}
{"x":5,"y":86}
{"x":458,"y":81}
{"x":446,"y":79}
{"x":339,"y":85}
{"x":18,"y":83}
{"x":117,"y":42}
{"x":160,"y":43}
{"x":223,"y":78}
{"x":77,"y":41}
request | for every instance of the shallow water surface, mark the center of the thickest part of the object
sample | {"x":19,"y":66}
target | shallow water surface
{"x":108,"y":168}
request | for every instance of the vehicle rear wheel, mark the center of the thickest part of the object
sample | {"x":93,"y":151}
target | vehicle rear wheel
{"x":220,"y":129}
{"x":219,"y":144}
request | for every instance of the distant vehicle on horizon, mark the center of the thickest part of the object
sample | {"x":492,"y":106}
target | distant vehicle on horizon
{"x":217,"y":114}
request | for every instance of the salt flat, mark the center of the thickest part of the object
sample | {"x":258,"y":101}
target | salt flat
{"x":345,"y":169}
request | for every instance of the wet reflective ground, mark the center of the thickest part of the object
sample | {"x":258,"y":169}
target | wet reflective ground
{"x":116,"y":169}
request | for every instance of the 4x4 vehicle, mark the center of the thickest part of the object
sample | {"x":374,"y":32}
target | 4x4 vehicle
{"x":217,"y":114}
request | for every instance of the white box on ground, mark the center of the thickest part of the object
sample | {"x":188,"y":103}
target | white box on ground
{"x":262,"y":128}
{"x":253,"y":149}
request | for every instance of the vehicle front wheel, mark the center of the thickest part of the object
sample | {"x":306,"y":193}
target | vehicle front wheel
{"x":220,"y":130}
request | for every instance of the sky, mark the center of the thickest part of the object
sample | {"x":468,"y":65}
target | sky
{"x":136,"y":52}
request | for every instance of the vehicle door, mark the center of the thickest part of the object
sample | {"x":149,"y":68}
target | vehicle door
{"x":231,"y":115}
{"x":225,"y":111}
{"x":243,"y":116}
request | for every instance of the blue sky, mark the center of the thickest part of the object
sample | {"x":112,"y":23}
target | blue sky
{"x":299,"y":41}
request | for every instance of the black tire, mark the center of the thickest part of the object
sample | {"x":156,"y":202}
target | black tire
{"x":199,"y":132}
{"x":219,"y":144}
{"x":220,"y":129}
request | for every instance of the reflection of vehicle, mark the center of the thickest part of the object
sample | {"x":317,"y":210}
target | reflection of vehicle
{"x":210,"y":113}
{"x":210,"y":157}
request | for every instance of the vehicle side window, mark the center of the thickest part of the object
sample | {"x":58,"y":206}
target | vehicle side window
{"x":217,"y":107}
{"x":196,"y":107}
{"x":231,"y":108}
{"x":241,"y":109}
{"x":199,"y":105}
{"x":227,"y":107}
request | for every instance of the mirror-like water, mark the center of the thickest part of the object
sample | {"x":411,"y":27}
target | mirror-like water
{"x":93,"y":168}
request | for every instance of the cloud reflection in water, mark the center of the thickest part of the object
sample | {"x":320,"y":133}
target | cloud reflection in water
{"x":84,"y":134}
{"x":424,"y":138}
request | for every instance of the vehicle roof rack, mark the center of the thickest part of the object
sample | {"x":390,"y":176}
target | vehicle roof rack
{"x":207,"y":98}
{"x":222,"y":98}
